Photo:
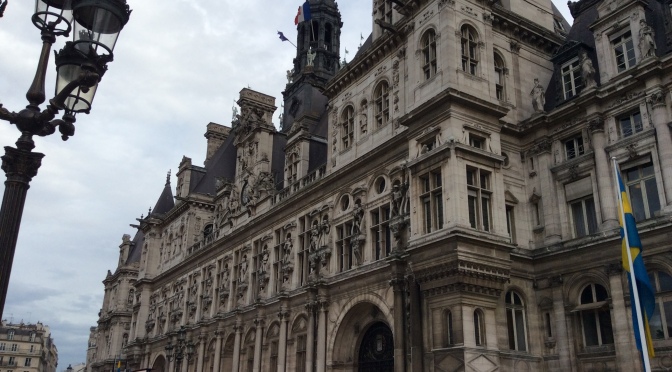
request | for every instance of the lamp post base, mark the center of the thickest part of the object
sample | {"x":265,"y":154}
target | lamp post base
{"x":20,"y":166}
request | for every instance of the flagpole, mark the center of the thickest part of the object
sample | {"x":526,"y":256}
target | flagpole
{"x":634,"y":296}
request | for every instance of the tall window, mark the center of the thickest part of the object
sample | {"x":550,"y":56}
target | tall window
{"x":479,"y":193}
{"x":382,"y":98}
{"x":348,"y":127}
{"x":595,"y":316}
{"x":469,"y":50}
{"x":624,"y":50}
{"x":301,"y":352}
{"x":10,"y":335}
{"x":27,"y":362}
{"x":510,"y":223}
{"x":574,"y":147}
{"x":380,"y":231}
{"x":32,"y":337}
{"x":273,"y":364}
{"x":661,"y":321}
{"x":15,"y":347}
{"x":630,"y":124}
{"x":385,"y":12}
{"x":293,"y":161}
{"x":571,"y":78}
{"x":515,"y":321}
{"x":432,"y":200}
{"x":479,"y":328}
{"x":2,"y":346}
{"x":429,"y":54}
{"x":583,"y":216}
{"x":448,"y":328}
{"x":499,"y":77}
{"x":642,"y":191}
{"x":343,"y":246}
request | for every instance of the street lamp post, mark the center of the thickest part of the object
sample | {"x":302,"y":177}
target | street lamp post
{"x":80,"y":65}
{"x":181,"y":349}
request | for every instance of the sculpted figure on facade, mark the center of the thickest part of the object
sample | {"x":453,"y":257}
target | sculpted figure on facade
{"x":310,"y":56}
{"x":647,"y":44}
{"x":314,"y":236}
{"x":287,"y":265}
{"x":264,"y":265}
{"x":538,"y":96}
{"x":587,"y":71}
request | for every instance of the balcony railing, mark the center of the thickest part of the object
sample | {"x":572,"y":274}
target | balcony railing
{"x":309,"y":179}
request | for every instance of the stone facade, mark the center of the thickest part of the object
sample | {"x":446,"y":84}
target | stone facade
{"x":27,"y":347}
{"x":452,"y":209}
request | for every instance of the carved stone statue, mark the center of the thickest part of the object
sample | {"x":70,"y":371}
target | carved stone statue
{"x":289,"y":76}
{"x":363,"y":123}
{"x":587,"y":71}
{"x":647,"y":45}
{"x":264,"y":264}
{"x":537,"y":94}
{"x":243,"y":270}
{"x":357,"y":218}
{"x":310,"y":56}
{"x":314,"y":237}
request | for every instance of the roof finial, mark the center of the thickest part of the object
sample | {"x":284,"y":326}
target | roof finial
{"x":168,"y":178}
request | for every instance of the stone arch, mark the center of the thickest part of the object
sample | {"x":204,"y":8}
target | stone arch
{"x":227,"y":353}
{"x":160,"y":364}
{"x":357,"y":316}
{"x":209,"y":357}
{"x":576,"y":283}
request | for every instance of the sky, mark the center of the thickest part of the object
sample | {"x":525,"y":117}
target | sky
{"x":178,"y":65}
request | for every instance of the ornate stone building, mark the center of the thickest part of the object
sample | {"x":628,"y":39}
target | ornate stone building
{"x":27,"y":348}
{"x":443,"y":202}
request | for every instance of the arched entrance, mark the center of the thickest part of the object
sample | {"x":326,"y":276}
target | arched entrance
{"x":376,"y":352}
{"x":159,"y":364}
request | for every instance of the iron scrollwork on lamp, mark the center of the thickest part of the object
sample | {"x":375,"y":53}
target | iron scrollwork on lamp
{"x":181,"y":349}
{"x":80,"y":65}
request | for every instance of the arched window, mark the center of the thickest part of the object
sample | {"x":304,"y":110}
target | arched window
{"x":448,"y":328}
{"x":429,"y":54}
{"x":382,"y":98}
{"x":595,"y":317}
{"x":348,"y":127}
{"x":661,"y":321}
{"x":515,"y":321}
{"x":327,"y":36}
{"x":479,"y":328}
{"x":469,"y":50}
{"x":207,"y":231}
{"x":499,"y":77}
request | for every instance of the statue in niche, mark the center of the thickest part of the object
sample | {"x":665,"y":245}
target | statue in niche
{"x":310,"y":56}
{"x":264,"y":264}
{"x":289,"y":76}
{"x":287,"y":251}
{"x":357,"y":219}
{"x":324,"y":232}
{"x":587,"y":71}
{"x":243,"y":270}
{"x":647,"y":45}
{"x":537,"y":94}
{"x":399,"y":198}
{"x":314,"y":237}
{"x":363,"y":123}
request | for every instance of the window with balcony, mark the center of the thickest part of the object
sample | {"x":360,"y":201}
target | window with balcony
{"x":630,"y":124}
{"x":640,"y":183}
{"x":382,"y":100}
{"x":479,"y":194}
{"x":574,"y":147}
{"x":661,"y":321}
{"x":624,"y":50}
{"x":571,"y":78}
{"x":431,"y":200}
{"x":429,"y":54}
{"x":469,"y":50}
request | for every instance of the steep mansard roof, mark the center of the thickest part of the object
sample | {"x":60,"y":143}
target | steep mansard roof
{"x":136,"y":248}
{"x":166,"y":201}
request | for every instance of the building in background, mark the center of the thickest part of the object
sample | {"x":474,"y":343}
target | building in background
{"x":443,"y":202}
{"x":27,"y":348}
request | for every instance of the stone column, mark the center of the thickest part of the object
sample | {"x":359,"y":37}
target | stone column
{"x":562,"y":339}
{"x":259,"y":323}
{"x":238,"y":328}
{"x":549,"y":207}
{"x":621,"y":321}
{"x":604,"y":174}
{"x":148,"y":356}
{"x":323,"y":307}
{"x":398,"y":287}
{"x":310,"y":335}
{"x":416,"y":361}
{"x":202,"y":340}
{"x":184,"y":365}
{"x":218,"y":350}
{"x":664,"y":140}
{"x":282,"y":344}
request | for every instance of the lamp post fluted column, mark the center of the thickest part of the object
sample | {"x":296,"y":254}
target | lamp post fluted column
{"x":20,"y":166}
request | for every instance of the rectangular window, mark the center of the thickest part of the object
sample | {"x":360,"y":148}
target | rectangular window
{"x":478,"y":198}
{"x":431,"y":200}
{"x":273,"y":364}
{"x":10,"y":335}
{"x":2,"y":346}
{"x":304,"y":250}
{"x":476,"y":141}
{"x":583,"y":216}
{"x":624,"y":51}
{"x":12,"y":362}
{"x":301,"y":352}
{"x":642,"y":190}
{"x":630,"y":124}
{"x":32,"y":337}
{"x":571,"y":78}
{"x":510,"y":223}
{"x":32,"y":348}
{"x":27,"y":362}
{"x":380,"y":232}
{"x":343,"y":246}
{"x":574,"y":147}
{"x":15,"y":347}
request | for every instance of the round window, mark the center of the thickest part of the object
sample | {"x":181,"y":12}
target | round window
{"x":345,"y":202}
{"x":380,"y":185}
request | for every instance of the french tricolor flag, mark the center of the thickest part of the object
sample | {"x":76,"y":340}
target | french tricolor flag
{"x":303,"y":14}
